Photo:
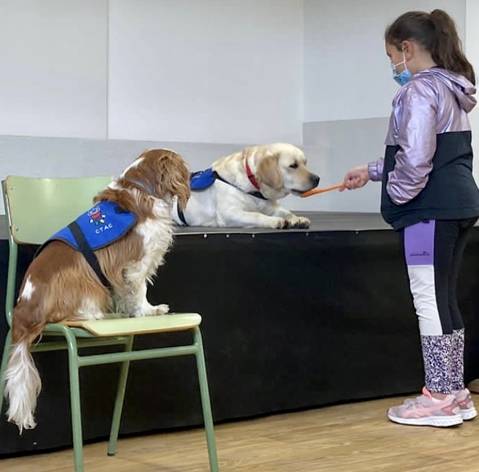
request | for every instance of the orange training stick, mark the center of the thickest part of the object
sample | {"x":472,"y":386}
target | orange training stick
{"x":316,"y":191}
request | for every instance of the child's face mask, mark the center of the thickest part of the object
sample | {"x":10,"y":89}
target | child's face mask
{"x":403,"y":77}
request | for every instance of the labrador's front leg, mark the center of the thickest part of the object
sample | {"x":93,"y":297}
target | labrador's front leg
{"x":293,"y":220}
{"x":252,"y":219}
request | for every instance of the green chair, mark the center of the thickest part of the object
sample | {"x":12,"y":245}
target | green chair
{"x":36,"y":208}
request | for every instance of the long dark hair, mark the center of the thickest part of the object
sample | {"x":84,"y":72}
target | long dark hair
{"x":437,"y":33}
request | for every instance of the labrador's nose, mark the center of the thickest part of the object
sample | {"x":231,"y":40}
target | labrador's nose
{"x":314,"y":179}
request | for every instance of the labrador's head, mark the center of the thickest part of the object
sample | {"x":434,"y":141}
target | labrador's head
{"x":281,"y":170}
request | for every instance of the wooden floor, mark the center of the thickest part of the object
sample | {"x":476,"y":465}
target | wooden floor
{"x":352,"y":438}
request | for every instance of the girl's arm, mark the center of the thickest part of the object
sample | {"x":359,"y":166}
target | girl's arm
{"x":417,"y":142}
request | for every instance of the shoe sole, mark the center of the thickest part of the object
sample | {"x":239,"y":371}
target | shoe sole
{"x":468,"y":414}
{"x":437,"y":421}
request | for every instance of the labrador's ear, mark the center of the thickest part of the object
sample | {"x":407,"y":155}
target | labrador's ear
{"x":267,"y":171}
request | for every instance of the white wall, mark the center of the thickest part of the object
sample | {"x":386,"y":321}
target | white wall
{"x":347,"y":73}
{"x":336,"y":146}
{"x":53,"y":62}
{"x":206,"y":71}
{"x":176,"y":70}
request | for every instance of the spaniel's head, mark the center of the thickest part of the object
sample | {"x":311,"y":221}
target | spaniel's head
{"x":161,"y":173}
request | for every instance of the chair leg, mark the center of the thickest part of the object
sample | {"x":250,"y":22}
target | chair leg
{"x":75,"y":402}
{"x":205,"y":402}
{"x":3,"y":368}
{"x":120,"y":396}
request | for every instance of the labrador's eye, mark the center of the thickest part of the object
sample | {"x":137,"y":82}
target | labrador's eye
{"x":294,"y":166}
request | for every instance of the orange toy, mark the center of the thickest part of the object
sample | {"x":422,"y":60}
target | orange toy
{"x":317,"y":191}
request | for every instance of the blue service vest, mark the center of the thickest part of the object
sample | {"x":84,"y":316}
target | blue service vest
{"x":101,"y":226}
{"x":203,"y":179}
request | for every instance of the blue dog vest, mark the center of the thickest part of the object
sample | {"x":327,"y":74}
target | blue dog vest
{"x":101,"y":226}
{"x":203,"y":179}
{"x":199,"y":181}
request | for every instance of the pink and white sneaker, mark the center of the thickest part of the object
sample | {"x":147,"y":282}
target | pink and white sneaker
{"x":466,"y":406}
{"x":426,"y":410}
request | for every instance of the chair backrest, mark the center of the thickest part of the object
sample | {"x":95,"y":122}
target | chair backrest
{"x":37,"y":208}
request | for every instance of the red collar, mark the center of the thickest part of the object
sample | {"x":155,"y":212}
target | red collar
{"x":250,"y":175}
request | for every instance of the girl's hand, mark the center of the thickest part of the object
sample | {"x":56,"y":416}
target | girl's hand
{"x":356,"y":178}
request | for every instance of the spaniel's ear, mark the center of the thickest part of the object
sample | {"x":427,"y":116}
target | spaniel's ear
{"x":172,"y":177}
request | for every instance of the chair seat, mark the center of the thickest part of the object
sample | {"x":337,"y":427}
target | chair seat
{"x":140,"y":325}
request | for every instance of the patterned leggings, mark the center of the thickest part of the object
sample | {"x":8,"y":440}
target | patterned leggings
{"x":433,"y":252}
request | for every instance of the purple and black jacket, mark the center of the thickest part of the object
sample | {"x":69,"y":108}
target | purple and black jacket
{"x":427,"y":169}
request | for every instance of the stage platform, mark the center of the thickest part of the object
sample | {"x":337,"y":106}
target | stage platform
{"x":292,"y":319}
{"x":320,"y":221}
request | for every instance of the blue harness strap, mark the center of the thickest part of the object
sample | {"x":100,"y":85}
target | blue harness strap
{"x":88,"y":253}
{"x":97,"y":228}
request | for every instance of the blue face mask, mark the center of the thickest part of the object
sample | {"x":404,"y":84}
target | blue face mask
{"x":402,"y":78}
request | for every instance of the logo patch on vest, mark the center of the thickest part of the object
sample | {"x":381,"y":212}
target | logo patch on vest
{"x":98,"y":218}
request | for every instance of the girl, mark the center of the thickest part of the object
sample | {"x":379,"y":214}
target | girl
{"x":429,"y":194}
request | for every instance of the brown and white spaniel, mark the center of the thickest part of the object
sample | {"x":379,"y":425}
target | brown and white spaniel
{"x":60,"y":284}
